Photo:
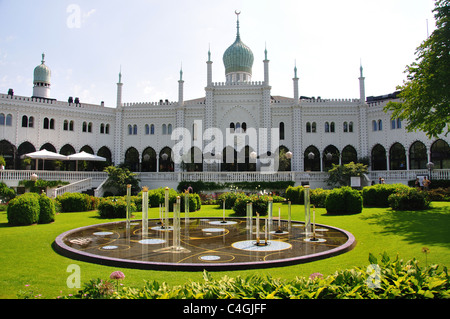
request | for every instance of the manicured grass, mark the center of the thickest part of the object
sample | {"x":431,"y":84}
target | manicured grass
{"x":27,"y":257}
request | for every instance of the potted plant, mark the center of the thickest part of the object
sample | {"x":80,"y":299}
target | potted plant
{"x":26,"y":163}
{"x":58,"y":165}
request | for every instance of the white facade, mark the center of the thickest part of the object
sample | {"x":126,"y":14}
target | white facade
{"x":317,"y":131}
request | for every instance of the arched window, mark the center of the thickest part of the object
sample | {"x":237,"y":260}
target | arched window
{"x":107,"y":129}
{"x":244,"y":127}
{"x":46,"y":123}
{"x":380,"y":125}
{"x":147,"y":129}
{"x":397,"y":157}
{"x":31,"y":121}
{"x":134,"y":129}
{"x":350,"y":127}
{"x":84,"y":128}
{"x":164,"y":129}
{"x":102,"y":128}
{"x":169,"y":129}
{"x":332,"y":127}
{"x":418,"y":156}
{"x":2,"y":119}
{"x":8,"y":120}
{"x":345,"y":127}
{"x":327,"y":127}
{"x":314,"y":127}
{"x":24,"y":121}
{"x":90,"y":127}
{"x":374,"y":126}
{"x":130,"y":129}
{"x":238,"y":127}
{"x":66,"y":125}
{"x":308,"y":127}
{"x":281,"y":130}
{"x":378,"y":158}
{"x":70,"y":125}
{"x":231,"y":127}
{"x":152,"y":129}
{"x":399,"y":123}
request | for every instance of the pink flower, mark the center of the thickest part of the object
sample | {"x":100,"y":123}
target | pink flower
{"x":315,"y":275}
{"x":118,"y":275}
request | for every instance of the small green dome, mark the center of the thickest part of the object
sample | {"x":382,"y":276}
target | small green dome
{"x":238,"y":57}
{"x":42,"y":73}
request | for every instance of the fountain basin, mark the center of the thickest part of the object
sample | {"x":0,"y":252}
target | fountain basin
{"x":206,"y":243}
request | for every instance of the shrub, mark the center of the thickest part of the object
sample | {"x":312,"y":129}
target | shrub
{"x":260,"y":205}
{"x":47,"y":210}
{"x":6,"y":193}
{"x":230,"y":199}
{"x":344,"y":200}
{"x":295,"y":194}
{"x":23,"y":210}
{"x":377,"y":195}
{"x":397,"y":279}
{"x":77,"y":202}
{"x":318,"y":196}
{"x":409,"y":199}
{"x":439,"y":194}
{"x":114,"y":207}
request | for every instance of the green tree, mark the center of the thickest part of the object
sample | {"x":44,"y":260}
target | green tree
{"x":119,"y":178}
{"x":425,"y":94}
{"x":340,"y":174}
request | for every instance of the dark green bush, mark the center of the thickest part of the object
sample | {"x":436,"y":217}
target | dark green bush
{"x":6,"y":193}
{"x":114,"y":207}
{"x":77,"y":202}
{"x":23,"y":210}
{"x":260,"y":205}
{"x":47,"y":210}
{"x":409,"y":199}
{"x":344,"y":200}
{"x":439,"y":194}
{"x":295,"y":194}
{"x":377,"y":195}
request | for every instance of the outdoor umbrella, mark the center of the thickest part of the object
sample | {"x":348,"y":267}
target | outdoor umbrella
{"x":45,"y":155}
{"x":83,"y":156}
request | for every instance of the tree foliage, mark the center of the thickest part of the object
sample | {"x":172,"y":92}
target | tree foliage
{"x":119,"y":178}
{"x":425,"y":95}
{"x":340,"y":174}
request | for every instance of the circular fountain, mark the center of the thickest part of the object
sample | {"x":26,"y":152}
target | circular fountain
{"x":204,"y":243}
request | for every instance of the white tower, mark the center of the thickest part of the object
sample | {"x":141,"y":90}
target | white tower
{"x":295,"y":79}
{"x":362,"y":90}
{"x":266,"y":68}
{"x":180,"y":89}
{"x":41,"y":80}
{"x":119,"y":90}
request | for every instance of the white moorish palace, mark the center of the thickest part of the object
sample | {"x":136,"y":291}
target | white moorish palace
{"x":230,"y":134}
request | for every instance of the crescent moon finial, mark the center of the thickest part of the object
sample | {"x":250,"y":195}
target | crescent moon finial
{"x":237,"y":12}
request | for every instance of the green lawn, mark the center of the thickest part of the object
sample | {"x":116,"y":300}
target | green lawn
{"x":27,"y":257}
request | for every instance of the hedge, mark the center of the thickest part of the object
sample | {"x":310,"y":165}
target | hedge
{"x":77,"y":202}
{"x":31,"y":208}
{"x":114,"y":207}
{"x":377,"y":195}
{"x":260,"y":205}
{"x":409,"y":199}
{"x":344,"y":200}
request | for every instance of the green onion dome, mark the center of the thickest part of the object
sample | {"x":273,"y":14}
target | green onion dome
{"x":42,"y":73}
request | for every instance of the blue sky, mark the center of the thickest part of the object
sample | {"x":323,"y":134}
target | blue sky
{"x":87,"y":42}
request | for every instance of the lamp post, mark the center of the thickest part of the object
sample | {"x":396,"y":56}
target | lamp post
{"x":430,"y":166}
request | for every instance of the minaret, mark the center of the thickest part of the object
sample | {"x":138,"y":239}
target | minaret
{"x":362,"y":90}
{"x":209,"y":69}
{"x":119,"y":89}
{"x":180,"y":89}
{"x":295,"y":79}
{"x":41,"y":80}
{"x":266,"y":68}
